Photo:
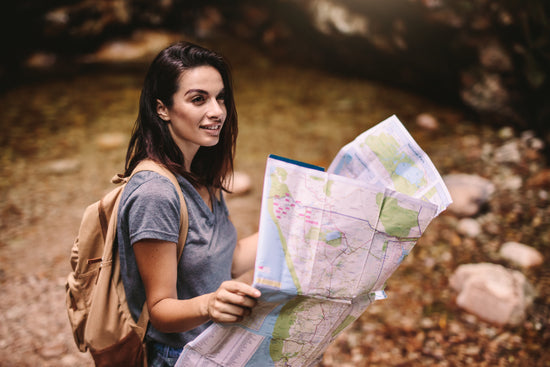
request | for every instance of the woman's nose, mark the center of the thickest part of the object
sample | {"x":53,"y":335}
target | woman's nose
{"x":216,"y":109}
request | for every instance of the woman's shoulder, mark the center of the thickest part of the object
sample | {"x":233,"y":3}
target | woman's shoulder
{"x":149,"y":184}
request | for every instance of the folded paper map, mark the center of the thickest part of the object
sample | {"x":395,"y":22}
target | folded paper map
{"x":328,"y":243}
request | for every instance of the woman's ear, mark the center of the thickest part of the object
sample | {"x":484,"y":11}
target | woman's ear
{"x":162,"y":111}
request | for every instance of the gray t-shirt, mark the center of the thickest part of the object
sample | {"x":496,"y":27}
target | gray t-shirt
{"x":150,"y":209}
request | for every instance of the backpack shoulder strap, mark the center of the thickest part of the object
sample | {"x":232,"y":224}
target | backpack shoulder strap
{"x":150,"y":165}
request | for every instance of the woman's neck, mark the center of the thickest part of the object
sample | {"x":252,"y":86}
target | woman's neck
{"x":206,"y":195}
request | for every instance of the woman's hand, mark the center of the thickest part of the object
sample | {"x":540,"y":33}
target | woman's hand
{"x":232,"y":302}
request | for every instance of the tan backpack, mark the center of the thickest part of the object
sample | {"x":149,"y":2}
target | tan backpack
{"x":96,"y":301}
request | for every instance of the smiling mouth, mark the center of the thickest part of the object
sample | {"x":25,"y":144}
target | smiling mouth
{"x":211,"y":127}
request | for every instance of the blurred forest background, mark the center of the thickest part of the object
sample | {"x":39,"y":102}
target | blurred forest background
{"x":491,"y":56}
{"x":469,"y":79}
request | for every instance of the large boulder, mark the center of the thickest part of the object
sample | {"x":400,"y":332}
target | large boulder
{"x":492,"y":292}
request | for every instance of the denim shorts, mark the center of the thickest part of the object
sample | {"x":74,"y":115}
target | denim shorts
{"x":162,"y":355}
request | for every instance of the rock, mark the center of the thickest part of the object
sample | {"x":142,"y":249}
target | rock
{"x":110,"y":141}
{"x":469,"y":227}
{"x":427,"y":323}
{"x":536,"y":144}
{"x":41,"y":60}
{"x":493,"y":57}
{"x":469,"y":193}
{"x":521,"y":254}
{"x":240,"y":184}
{"x":62,"y":166}
{"x":508,"y":153}
{"x":329,"y":17}
{"x":492,"y":292}
{"x":505,"y":133}
{"x":529,"y":140}
{"x":427,"y":122}
{"x":513,"y":183}
{"x":141,"y":45}
{"x":486,"y":92}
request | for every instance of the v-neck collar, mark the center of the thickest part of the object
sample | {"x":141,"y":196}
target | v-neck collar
{"x":197,"y":198}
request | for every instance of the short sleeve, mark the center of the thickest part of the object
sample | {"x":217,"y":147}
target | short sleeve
{"x":153,"y":208}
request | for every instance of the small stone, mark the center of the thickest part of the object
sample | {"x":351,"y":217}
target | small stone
{"x":469,"y":193}
{"x":529,"y":140}
{"x":536,"y":144}
{"x":110,"y":141}
{"x":493,"y":57}
{"x":513,"y":183}
{"x":472,"y":350}
{"x":429,"y":262}
{"x":62,"y":166}
{"x":521,"y":254}
{"x":469,"y":227}
{"x":408,"y":324}
{"x":41,"y":60}
{"x":527,"y":135}
{"x":240,"y":184}
{"x":508,"y":153}
{"x":140,"y":45}
{"x":446,"y":256}
{"x":427,"y":323}
{"x":506,"y":133}
{"x":427,"y":121}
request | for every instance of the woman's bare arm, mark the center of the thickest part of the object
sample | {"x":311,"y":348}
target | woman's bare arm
{"x":244,"y":258}
{"x":157,"y":264}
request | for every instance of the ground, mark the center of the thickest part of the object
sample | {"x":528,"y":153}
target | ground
{"x":62,"y":144}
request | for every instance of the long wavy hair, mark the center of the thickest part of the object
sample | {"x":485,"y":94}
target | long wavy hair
{"x":151,"y":138}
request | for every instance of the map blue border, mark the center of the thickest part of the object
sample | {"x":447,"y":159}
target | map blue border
{"x":298,"y":163}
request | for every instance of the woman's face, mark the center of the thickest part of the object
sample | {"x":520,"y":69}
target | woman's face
{"x":198,"y":111}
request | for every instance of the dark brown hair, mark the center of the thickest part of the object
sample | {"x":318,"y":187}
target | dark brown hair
{"x":151,"y":137}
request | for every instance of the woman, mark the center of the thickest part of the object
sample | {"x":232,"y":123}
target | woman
{"x":187,"y":122}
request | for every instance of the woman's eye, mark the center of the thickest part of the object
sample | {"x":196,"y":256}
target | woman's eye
{"x":197,"y":99}
{"x":221,"y":97}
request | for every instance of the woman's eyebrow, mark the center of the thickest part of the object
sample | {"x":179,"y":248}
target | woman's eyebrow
{"x":196,"y":91}
{"x":201,"y":91}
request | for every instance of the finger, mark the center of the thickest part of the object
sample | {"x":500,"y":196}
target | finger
{"x":229,"y":313}
{"x":239,"y":287}
{"x":228,"y":309}
{"x":238,"y":299}
{"x":225,"y":318}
